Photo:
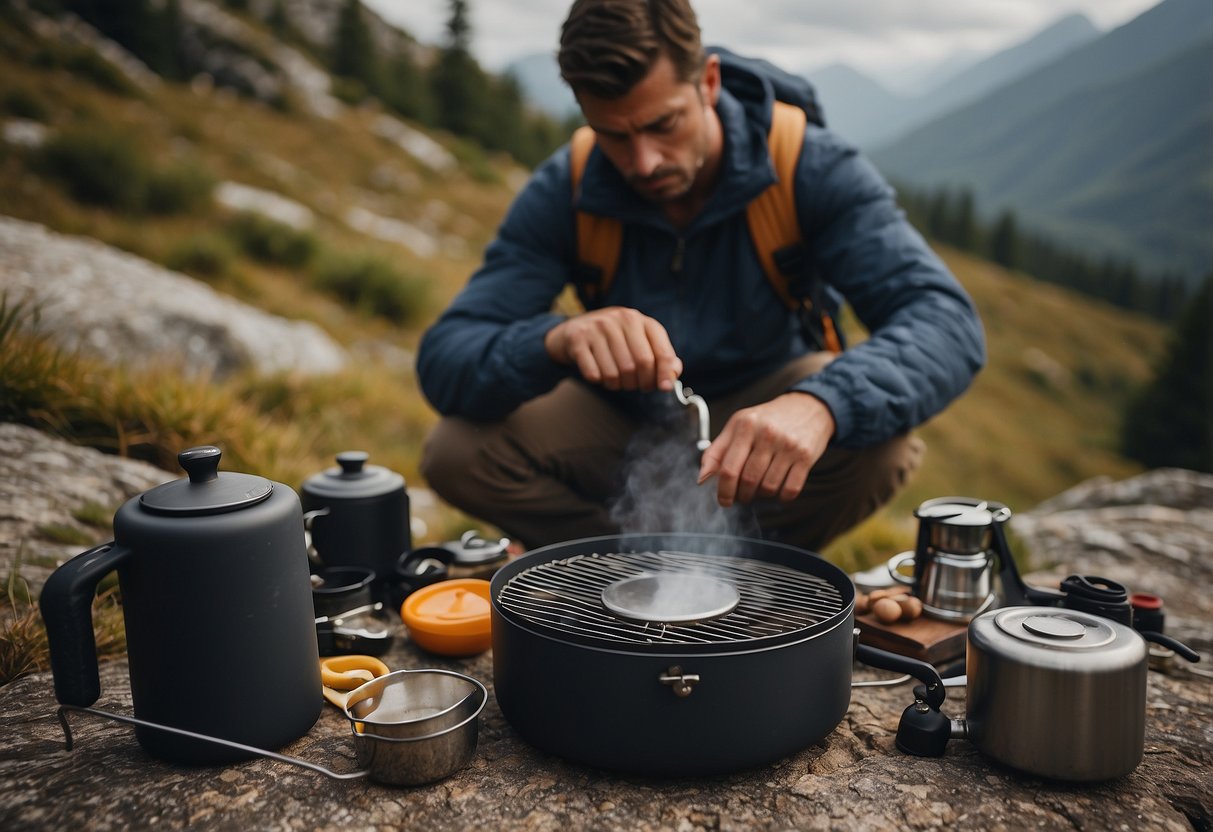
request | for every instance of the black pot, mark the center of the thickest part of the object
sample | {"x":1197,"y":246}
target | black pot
{"x":574,"y":685}
{"x":357,"y":515}
{"x":217,"y":604}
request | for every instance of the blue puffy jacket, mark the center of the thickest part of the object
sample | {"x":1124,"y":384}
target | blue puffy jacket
{"x":485,"y":356}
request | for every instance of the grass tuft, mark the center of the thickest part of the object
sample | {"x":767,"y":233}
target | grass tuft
{"x":374,"y":285}
{"x":23,"y":641}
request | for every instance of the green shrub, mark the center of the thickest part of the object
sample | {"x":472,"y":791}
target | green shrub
{"x":179,"y":188}
{"x":372,"y":284}
{"x":22,"y":103}
{"x":203,"y":255}
{"x":97,"y":165}
{"x":88,"y":64}
{"x":272,"y":242}
{"x":473,"y":160}
{"x":348,"y":90}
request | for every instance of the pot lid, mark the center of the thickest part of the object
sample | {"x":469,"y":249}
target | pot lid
{"x":471,"y":548}
{"x":206,"y":490}
{"x":455,"y":607}
{"x":1058,"y":629}
{"x":670,"y":598}
{"x":352,"y":479}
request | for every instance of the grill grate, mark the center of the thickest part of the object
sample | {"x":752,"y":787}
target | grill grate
{"x":566,"y":596}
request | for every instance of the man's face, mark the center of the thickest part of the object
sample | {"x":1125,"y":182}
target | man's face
{"x":661,"y":134}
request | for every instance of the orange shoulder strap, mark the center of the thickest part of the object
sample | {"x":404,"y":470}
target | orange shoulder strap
{"x":599,"y":239}
{"x":772,"y":217}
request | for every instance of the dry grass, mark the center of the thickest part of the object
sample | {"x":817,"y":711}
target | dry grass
{"x":23,"y":641}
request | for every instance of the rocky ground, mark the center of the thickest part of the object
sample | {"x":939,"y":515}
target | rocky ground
{"x":1155,"y":533}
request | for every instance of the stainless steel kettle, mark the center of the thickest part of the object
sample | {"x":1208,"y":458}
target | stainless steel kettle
{"x":215,"y":588}
{"x":1055,"y":692}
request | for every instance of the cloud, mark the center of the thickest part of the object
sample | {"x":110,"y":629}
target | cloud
{"x":797,"y":33}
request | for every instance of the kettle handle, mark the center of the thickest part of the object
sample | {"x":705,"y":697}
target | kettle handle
{"x":67,"y":610}
{"x":898,"y":561}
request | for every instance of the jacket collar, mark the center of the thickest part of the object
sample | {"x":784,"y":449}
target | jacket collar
{"x":746,"y":170}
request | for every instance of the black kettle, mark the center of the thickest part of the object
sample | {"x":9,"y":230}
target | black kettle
{"x":217,"y":603}
{"x":357,"y":515}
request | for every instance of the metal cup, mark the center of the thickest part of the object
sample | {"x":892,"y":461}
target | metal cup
{"x":952,"y":587}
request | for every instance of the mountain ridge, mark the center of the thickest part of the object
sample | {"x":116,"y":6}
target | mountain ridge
{"x":1034,"y":144}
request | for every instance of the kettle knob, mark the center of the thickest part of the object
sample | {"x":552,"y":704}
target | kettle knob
{"x":351,"y":462}
{"x":201,"y":463}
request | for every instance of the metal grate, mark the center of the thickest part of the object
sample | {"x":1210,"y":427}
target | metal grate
{"x":566,"y":596}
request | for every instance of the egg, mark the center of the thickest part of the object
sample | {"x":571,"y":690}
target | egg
{"x":886,"y":610}
{"x":911,"y":607}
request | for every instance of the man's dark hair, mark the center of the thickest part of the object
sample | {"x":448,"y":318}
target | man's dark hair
{"x":608,"y":46}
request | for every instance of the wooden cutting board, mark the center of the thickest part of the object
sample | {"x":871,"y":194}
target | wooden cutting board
{"x":924,"y":638}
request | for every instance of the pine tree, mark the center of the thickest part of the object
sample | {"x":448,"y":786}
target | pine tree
{"x":1169,"y":423}
{"x":404,"y":88}
{"x":458,"y":84}
{"x":1004,"y":241}
{"x":353,"y":48}
{"x":962,"y":225}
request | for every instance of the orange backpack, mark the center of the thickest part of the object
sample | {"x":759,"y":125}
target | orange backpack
{"x":771,"y":216}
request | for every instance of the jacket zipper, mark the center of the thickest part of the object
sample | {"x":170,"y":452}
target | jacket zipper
{"x":676,"y":263}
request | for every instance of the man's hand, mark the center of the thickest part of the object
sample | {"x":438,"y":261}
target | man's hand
{"x":619,"y":348}
{"x":768,"y":450}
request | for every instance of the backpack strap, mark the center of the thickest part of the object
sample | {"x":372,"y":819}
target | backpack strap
{"x":774,"y":225}
{"x":775,"y":230}
{"x":772,"y":219}
{"x":599,"y":239}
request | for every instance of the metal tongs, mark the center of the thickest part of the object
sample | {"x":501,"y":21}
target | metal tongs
{"x":687,"y":397}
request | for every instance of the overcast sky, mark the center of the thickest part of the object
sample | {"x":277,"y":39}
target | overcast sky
{"x":880,"y":37}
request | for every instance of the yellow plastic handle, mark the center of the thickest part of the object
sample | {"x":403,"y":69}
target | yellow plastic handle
{"x":349,"y":672}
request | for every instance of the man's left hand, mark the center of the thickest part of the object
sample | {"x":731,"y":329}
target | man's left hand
{"x":768,"y":450}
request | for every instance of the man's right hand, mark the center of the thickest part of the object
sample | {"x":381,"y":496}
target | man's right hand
{"x":617,"y":347}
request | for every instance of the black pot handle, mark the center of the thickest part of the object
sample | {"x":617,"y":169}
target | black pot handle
{"x":934,"y":691}
{"x":1172,"y":644}
{"x":923,"y":730}
{"x":67,"y":610}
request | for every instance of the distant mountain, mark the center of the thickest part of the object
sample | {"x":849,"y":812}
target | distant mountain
{"x":539,"y":77}
{"x":855,"y":105}
{"x":1111,"y":145}
{"x":923,"y":77}
{"x":870,"y":115}
{"x":1051,"y":43}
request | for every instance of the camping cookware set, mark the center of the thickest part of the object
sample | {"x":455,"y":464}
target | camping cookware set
{"x":216,"y":587}
{"x":697,"y":654}
{"x":667,"y":654}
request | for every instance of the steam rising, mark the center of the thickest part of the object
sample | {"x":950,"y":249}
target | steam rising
{"x":660,"y":494}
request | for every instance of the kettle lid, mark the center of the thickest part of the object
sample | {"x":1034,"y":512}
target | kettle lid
{"x":205,"y":490}
{"x":962,"y":511}
{"x":352,"y":479}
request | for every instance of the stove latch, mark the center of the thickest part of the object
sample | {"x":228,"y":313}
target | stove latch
{"x":681,"y":683}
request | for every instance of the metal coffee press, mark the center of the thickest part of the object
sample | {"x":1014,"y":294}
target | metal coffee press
{"x":959,"y":547}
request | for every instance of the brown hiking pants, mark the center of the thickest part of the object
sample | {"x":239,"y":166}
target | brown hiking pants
{"x":569,"y":465}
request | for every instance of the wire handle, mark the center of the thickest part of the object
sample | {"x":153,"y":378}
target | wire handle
{"x":130,"y":720}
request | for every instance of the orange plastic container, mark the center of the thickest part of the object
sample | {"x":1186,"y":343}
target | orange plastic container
{"x":450,"y":617}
